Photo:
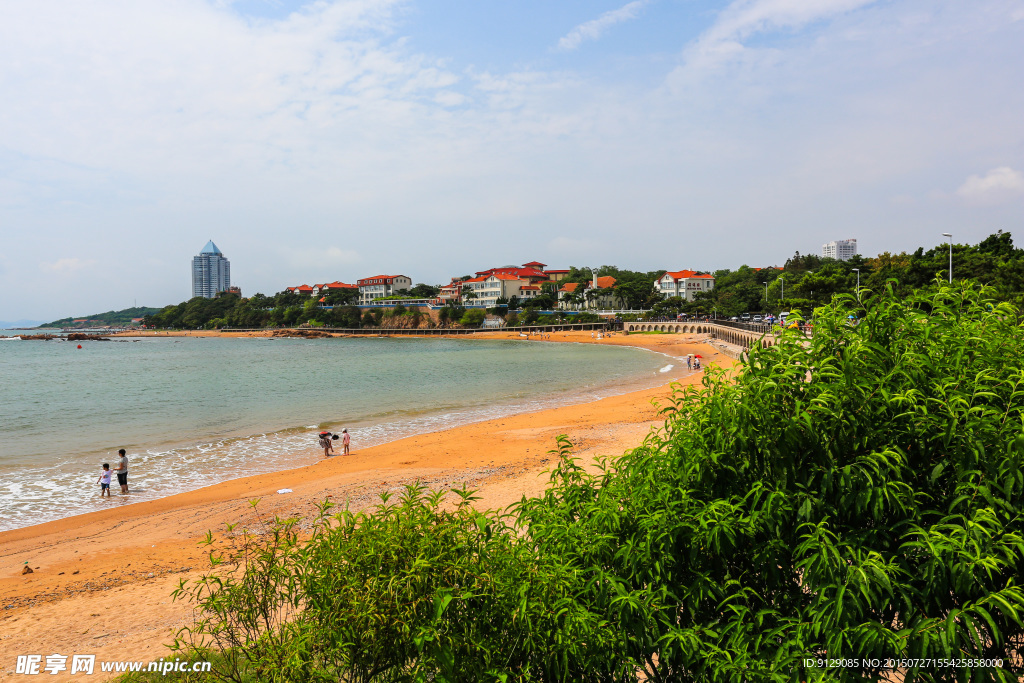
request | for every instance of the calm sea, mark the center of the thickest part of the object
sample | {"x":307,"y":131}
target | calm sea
{"x":195,"y":411}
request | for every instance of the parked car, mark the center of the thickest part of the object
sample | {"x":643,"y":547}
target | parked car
{"x":734,"y":319}
{"x":757,"y":319}
{"x":745,"y":317}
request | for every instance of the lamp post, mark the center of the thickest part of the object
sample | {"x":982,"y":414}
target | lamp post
{"x":858,"y":282}
{"x":765,"y":294}
{"x":783,"y":281}
{"x":950,"y":236}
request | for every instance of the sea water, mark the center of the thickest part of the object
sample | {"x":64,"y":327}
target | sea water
{"x":194,"y":411}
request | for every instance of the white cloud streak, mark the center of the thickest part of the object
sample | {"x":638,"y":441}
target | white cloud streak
{"x":67,"y":266}
{"x":744,"y":18}
{"x":594,"y":29}
{"x":998,"y":185}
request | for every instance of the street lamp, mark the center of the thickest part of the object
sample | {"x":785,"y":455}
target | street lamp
{"x":783,"y":281}
{"x":950,"y":236}
{"x":765,"y":294}
{"x":858,"y":282}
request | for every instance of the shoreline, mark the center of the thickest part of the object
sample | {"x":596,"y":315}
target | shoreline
{"x":261,"y":446}
{"x":136,"y":553}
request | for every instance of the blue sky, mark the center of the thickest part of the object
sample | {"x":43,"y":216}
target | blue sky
{"x":338,"y":140}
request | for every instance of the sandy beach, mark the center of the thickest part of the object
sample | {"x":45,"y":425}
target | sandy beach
{"x":101,"y":582}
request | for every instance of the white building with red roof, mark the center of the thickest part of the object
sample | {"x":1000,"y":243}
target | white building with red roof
{"x":381,"y":286}
{"x":684,"y":284}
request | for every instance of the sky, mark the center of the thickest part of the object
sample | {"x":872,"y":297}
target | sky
{"x":335,"y":140}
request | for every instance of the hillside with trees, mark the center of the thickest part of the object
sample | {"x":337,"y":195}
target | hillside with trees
{"x":121,"y":318}
{"x":807,"y":281}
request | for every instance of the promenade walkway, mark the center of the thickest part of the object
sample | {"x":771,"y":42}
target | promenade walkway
{"x":746,"y":336}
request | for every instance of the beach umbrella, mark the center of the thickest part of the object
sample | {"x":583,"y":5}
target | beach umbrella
{"x":697,"y":355}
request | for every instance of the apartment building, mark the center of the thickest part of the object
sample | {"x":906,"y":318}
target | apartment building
{"x":840,"y":250}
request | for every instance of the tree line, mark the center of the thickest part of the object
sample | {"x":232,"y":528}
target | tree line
{"x":805,"y":282}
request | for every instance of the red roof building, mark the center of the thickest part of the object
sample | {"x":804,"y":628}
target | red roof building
{"x":381,"y":287}
{"x":684,"y":284}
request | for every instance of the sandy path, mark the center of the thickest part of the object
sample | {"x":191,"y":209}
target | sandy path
{"x":102,"y":581}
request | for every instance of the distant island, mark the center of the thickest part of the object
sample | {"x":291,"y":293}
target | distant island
{"x":122,"y":318}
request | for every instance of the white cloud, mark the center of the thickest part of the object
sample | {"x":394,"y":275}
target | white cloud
{"x":743,"y":18}
{"x":994,"y":187}
{"x":571,"y":245}
{"x":594,"y":29}
{"x":315,"y":259}
{"x":67,"y":266}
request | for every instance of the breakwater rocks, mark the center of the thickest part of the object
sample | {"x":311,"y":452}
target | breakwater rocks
{"x":308,"y":334}
{"x":74,"y":336}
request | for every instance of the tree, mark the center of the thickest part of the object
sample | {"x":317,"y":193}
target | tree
{"x":473,"y":317}
{"x":422,"y":291}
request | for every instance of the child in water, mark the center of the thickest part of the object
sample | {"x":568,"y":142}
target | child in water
{"x":104,"y":480}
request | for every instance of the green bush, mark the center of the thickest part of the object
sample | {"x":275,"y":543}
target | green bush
{"x":473,"y":317}
{"x":409,"y":592}
{"x":857,"y":496}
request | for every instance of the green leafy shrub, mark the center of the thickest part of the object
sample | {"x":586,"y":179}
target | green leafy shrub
{"x":857,"y":496}
{"x":410,"y":592}
{"x":473,"y":317}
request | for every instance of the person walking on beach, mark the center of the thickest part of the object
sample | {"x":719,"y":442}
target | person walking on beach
{"x":122,"y":471}
{"x":325,"y":443}
{"x":346,"y":439}
{"x":104,"y":480}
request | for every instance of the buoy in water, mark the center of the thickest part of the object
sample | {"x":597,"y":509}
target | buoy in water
{"x":79,"y":346}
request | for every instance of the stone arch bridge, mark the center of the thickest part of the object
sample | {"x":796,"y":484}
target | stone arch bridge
{"x":746,"y":337}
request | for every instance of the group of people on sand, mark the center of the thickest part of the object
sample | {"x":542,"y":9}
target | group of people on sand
{"x":327,"y":442}
{"x":122,"y":475}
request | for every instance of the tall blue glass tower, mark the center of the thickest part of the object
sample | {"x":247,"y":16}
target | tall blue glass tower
{"x":211,"y":272}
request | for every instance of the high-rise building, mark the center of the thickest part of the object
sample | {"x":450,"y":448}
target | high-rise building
{"x":211,"y":272}
{"x":840,"y":250}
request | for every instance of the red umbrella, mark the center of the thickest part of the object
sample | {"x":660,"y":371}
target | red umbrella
{"x":697,"y":355}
